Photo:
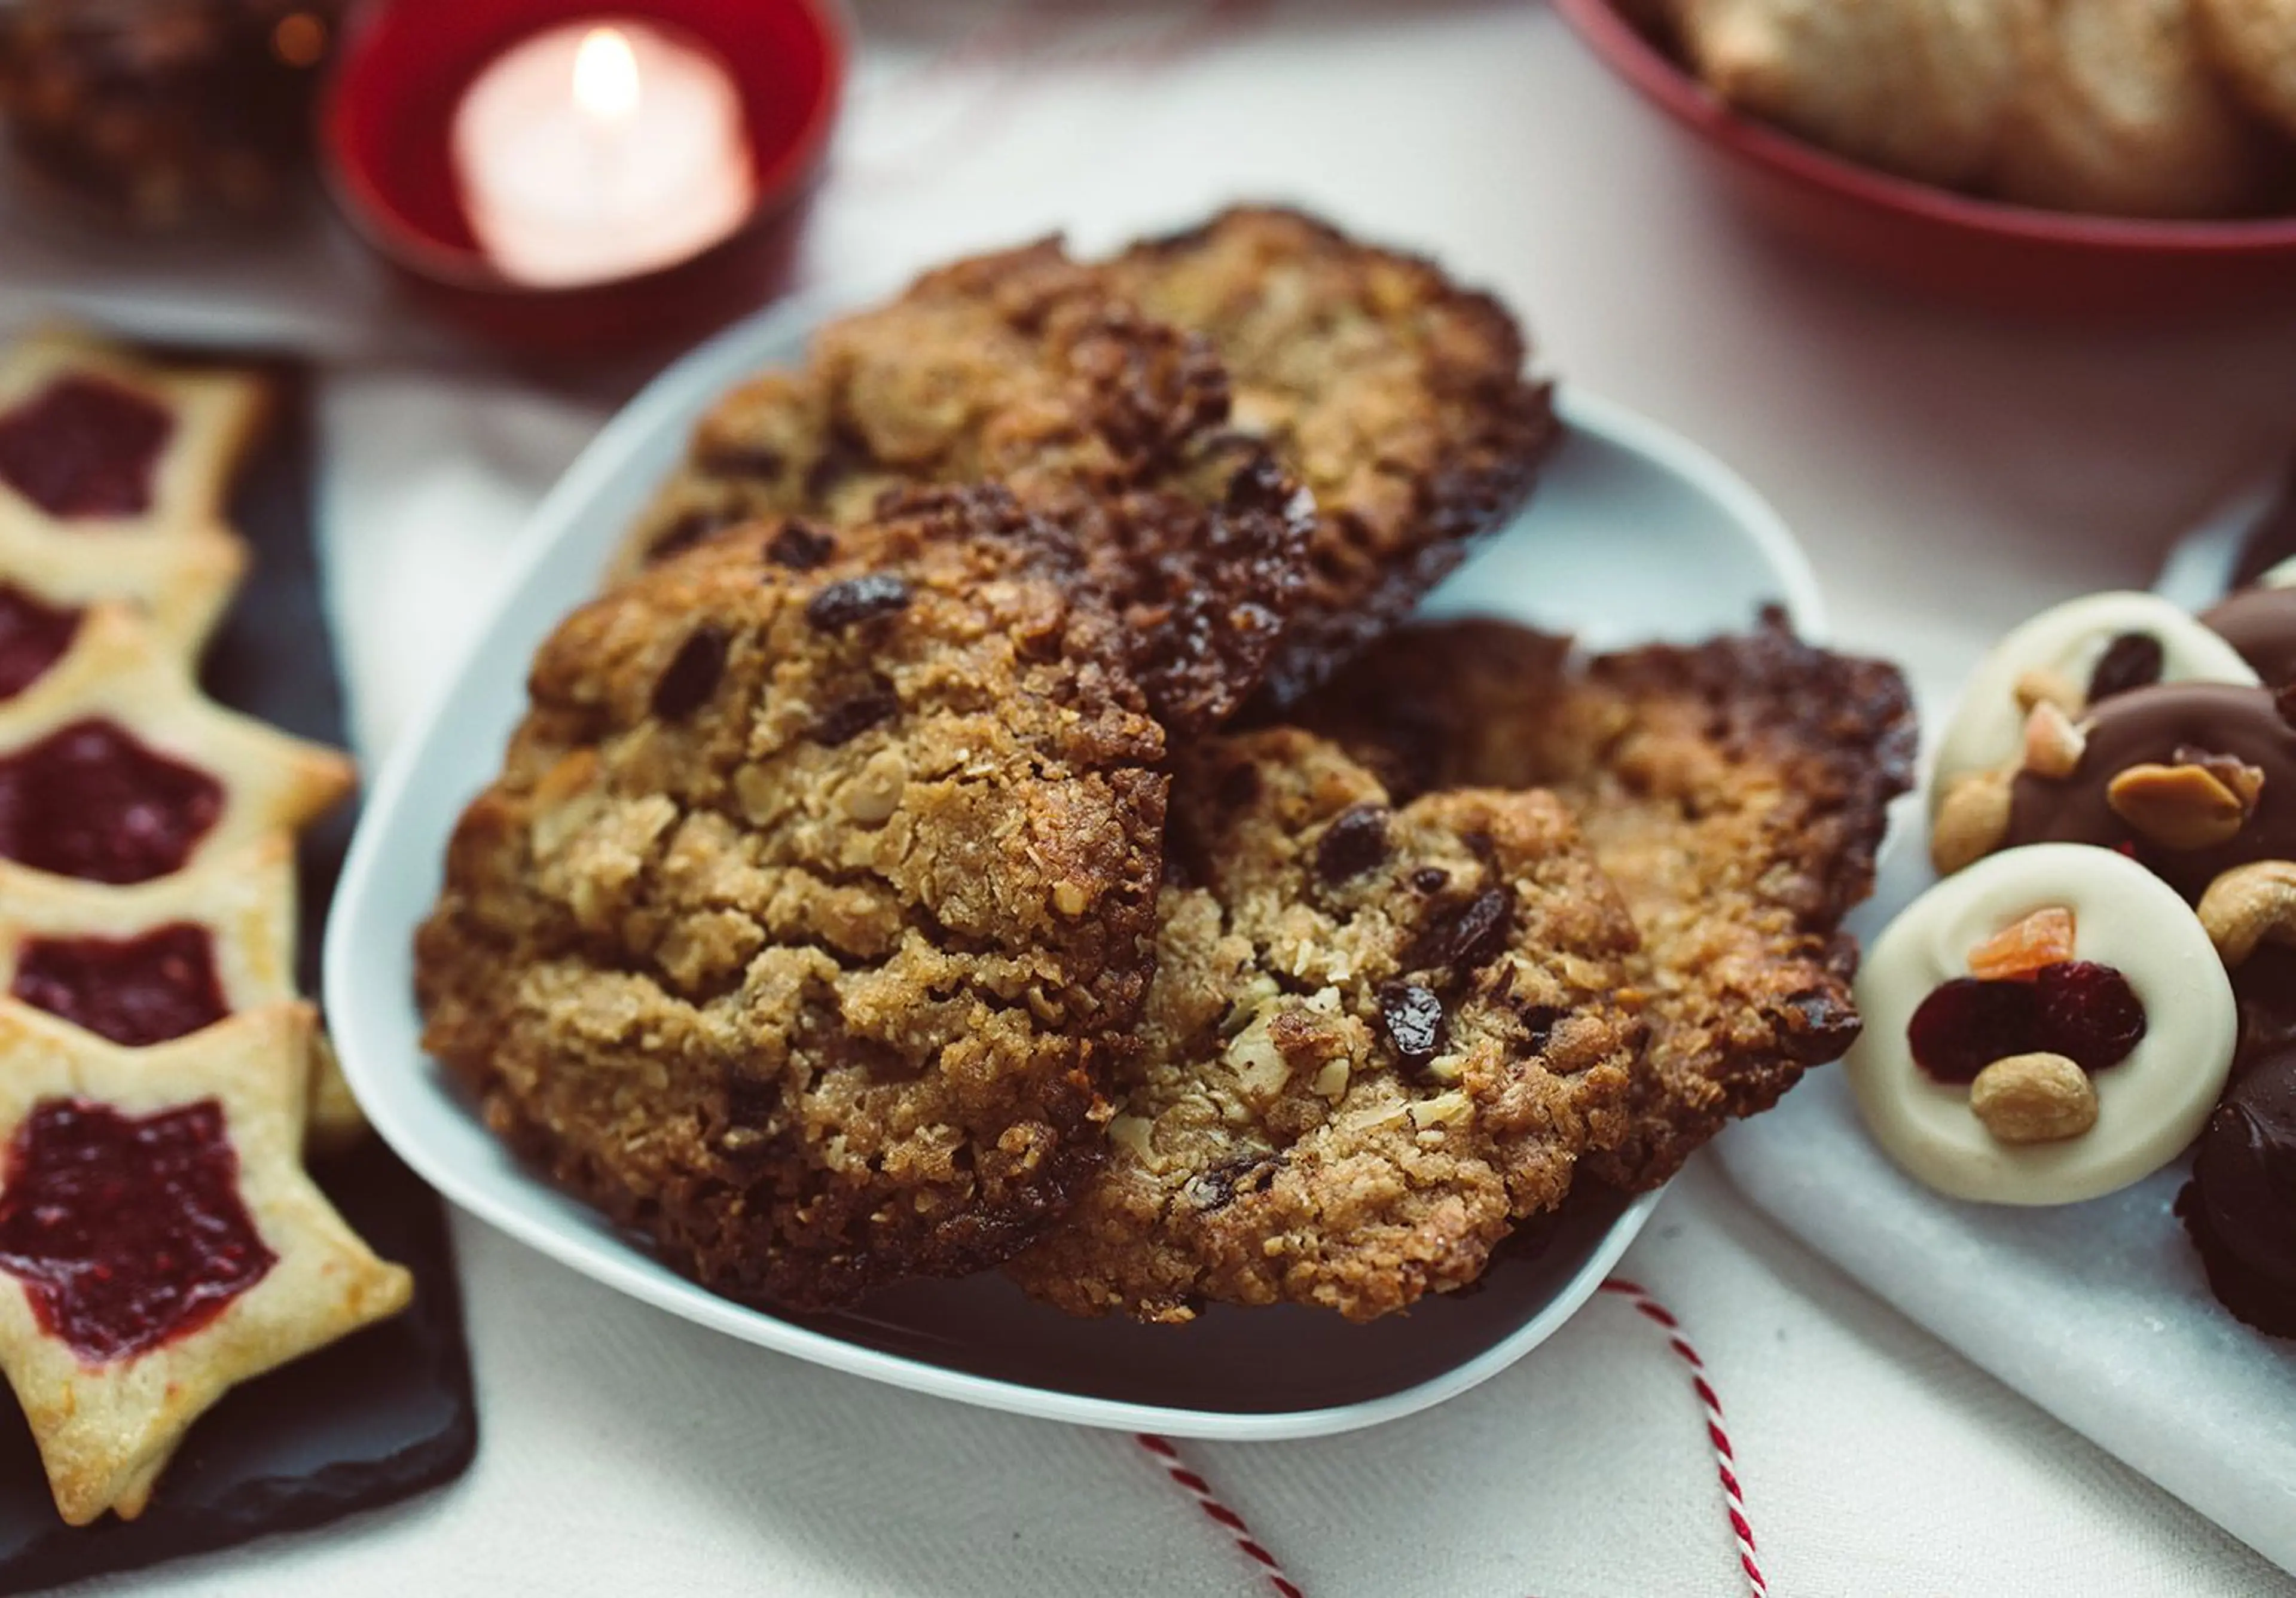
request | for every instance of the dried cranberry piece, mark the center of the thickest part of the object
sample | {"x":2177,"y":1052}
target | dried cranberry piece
{"x":843,"y":723}
{"x":1414,"y":1019}
{"x":1967,"y":1024}
{"x":1540,"y":1020}
{"x":800,"y":546}
{"x":694,"y":527}
{"x":742,"y":460}
{"x":33,"y":637}
{"x":1467,"y":936}
{"x":691,"y":678}
{"x":1353,"y":844}
{"x":857,"y":599}
{"x":2131,"y":661}
{"x":1241,"y":786}
{"x":2088,"y":1013}
{"x":1216,"y":1188}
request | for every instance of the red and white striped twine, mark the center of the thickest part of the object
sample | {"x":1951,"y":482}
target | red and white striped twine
{"x":1650,"y":1309}
{"x":1220,"y":1514}
{"x":1726,"y":1462}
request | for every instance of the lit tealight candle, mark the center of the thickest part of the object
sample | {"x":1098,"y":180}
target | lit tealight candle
{"x":599,"y":150}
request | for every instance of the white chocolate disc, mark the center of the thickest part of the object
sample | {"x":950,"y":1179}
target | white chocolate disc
{"x":2283,"y":576}
{"x":2150,"y":1106}
{"x":1988,"y":729}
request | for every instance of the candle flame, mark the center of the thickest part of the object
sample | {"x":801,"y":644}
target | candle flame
{"x":606,"y":76}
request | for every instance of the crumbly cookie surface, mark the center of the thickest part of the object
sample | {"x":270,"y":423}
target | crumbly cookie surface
{"x":818,"y":885}
{"x":1376,"y":1038}
{"x":1735,"y":791}
{"x":1022,"y":369}
{"x":1396,"y":396}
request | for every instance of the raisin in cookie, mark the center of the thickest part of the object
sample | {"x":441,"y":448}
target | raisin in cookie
{"x":1020,"y":368}
{"x":1376,"y":1038}
{"x":1397,"y":396}
{"x":816,"y":892}
{"x":1735,"y":792}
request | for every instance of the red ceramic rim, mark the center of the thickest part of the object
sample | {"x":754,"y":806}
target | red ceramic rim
{"x":1667,"y":85}
{"x":376,"y":217}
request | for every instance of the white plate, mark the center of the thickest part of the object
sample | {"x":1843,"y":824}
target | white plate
{"x":1635,"y":534}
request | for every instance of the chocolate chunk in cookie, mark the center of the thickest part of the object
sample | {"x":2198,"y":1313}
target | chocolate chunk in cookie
{"x":1336,"y":1103}
{"x":1023,"y":369}
{"x":814,"y":975}
{"x":1397,"y":396}
{"x":1735,"y":792}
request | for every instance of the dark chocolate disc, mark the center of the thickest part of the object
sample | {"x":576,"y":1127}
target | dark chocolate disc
{"x":2243,"y":1195}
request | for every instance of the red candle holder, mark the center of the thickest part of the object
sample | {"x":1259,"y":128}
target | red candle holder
{"x":385,"y":143}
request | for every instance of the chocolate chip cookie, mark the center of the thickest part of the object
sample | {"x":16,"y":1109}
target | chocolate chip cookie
{"x":814,"y":897}
{"x":1377,"y":1037}
{"x":1021,"y":368}
{"x":1735,"y":791}
{"x":1396,"y":396}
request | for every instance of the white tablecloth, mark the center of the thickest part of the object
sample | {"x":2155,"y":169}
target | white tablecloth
{"x":1950,"y":474}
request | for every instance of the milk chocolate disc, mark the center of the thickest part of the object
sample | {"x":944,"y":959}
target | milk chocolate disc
{"x":2168,"y":726}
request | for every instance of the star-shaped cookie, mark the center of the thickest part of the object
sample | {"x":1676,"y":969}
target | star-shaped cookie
{"x":160,"y":1242}
{"x":47,"y":581}
{"x":96,"y":442}
{"x":155,"y":962}
{"x":114,"y":767}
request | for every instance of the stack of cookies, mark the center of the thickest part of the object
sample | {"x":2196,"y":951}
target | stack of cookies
{"x":1000,"y":815}
{"x":159,"y":1080}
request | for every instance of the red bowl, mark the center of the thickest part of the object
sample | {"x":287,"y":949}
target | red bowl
{"x":2006,"y":257}
{"x":384,"y":147}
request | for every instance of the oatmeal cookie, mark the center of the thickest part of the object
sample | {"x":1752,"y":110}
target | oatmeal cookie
{"x":1397,"y":396}
{"x":1376,"y":1038}
{"x":1735,"y":791}
{"x":1021,"y":368}
{"x":817,"y":889}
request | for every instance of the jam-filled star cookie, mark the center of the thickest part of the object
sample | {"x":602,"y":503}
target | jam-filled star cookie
{"x":160,"y":1242}
{"x":47,"y":582}
{"x":159,"y":960}
{"x":96,"y":442}
{"x":115,"y":768}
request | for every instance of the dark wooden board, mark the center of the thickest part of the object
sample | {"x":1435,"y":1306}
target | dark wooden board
{"x":384,"y":1414}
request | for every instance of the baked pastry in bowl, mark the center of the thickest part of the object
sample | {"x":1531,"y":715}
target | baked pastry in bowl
{"x":1965,"y":196}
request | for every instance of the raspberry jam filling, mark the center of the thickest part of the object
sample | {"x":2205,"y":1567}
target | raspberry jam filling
{"x":126,"y":1232}
{"x":84,"y":447}
{"x":135,"y":991}
{"x":2078,"y":1008}
{"x":33,"y":637}
{"x":90,"y":801}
